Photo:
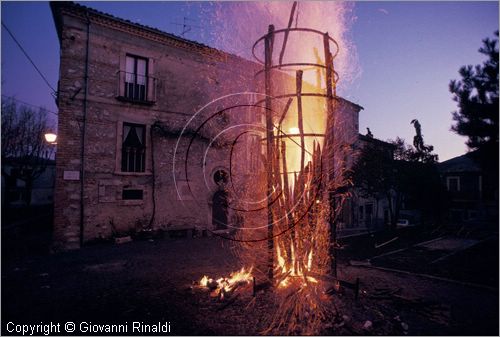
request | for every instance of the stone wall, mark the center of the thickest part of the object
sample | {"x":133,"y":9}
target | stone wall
{"x":188,"y":76}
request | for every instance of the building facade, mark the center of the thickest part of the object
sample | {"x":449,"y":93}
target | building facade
{"x":472,"y":193}
{"x":362,"y":212}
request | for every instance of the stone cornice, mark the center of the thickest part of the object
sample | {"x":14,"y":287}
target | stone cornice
{"x":152,"y":34}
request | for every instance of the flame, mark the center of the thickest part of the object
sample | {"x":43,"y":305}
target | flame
{"x":204,"y":281}
{"x":281,"y":260}
{"x":294,"y":271}
{"x":227,"y":284}
{"x":309,"y":260}
{"x":235,"y":26}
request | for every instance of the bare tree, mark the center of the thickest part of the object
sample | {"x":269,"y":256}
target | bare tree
{"x":25,"y":153}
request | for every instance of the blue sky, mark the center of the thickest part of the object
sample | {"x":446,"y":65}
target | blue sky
{"x":407,"y":52}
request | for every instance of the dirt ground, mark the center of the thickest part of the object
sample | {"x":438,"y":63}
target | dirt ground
{"x":151,"y":281}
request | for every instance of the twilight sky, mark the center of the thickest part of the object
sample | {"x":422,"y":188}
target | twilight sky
{"x":407,"y":52}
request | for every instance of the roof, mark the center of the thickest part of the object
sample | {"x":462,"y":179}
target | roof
{"x":58,"y":6}
{"x":375,"y":141}
{"x":357,"y":106}
{"x":463,"y":163}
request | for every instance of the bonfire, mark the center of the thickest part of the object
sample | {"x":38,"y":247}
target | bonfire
{"x":302,"y":176}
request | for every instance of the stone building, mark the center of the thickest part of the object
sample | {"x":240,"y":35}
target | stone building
{"x":367,"y":212}
{"x":472,"y":190}
{"x":143,"y":120}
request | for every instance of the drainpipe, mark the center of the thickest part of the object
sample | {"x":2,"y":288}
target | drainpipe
{"x":84,"y":124}
{"x":152,"y":219}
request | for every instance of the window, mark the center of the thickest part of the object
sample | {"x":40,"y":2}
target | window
{"x":220,"y":177}
{"x":133,"y":148}
{"x":369,"y":209}
{"x":368,"y":214}
{"x":132,"y":194}
{"x":453,"y":184}
{"x":136,"y":71}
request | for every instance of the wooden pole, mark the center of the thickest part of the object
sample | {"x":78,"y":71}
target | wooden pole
{"x":300,"y":119}
{"x":330,"y":153}
{"x":285,"y":39}
{"x":298,"y":244}
{"x":286,"y":188}
{"x":268,"y":51}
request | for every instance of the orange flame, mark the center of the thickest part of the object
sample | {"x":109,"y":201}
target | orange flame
{"x":223,"y":285}
{"x":293,"y":270}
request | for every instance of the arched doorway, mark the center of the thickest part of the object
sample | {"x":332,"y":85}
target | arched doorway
{"x":220,"y":201}
{"x":219,"y":210}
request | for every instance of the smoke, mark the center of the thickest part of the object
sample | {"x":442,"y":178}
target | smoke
{"x":235,"y":26}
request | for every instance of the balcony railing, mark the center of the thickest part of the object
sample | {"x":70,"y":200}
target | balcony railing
{"x":469,"y":195}
{"x":136,"y":88}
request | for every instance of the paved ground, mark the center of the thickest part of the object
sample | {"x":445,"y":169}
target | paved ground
{"x":427,"y":306}
{"x":26,"y":231}
{"x":112,"y":283}
{"x":467,"y":260}
{"x":149,"y":281}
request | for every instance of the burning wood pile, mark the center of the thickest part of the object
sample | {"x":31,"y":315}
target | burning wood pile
{"x":226,"y":285}
{"x":293,"y":255}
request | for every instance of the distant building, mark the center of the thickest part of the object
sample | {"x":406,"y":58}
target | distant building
{"x":366,"y":213}
{"x":471,"y":193}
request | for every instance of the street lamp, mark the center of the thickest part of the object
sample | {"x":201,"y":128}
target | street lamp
{"x":51,"y":138}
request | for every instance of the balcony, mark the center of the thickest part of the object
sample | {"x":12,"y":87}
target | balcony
{"x":136,"y":88}
{"x":467,"y":195}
